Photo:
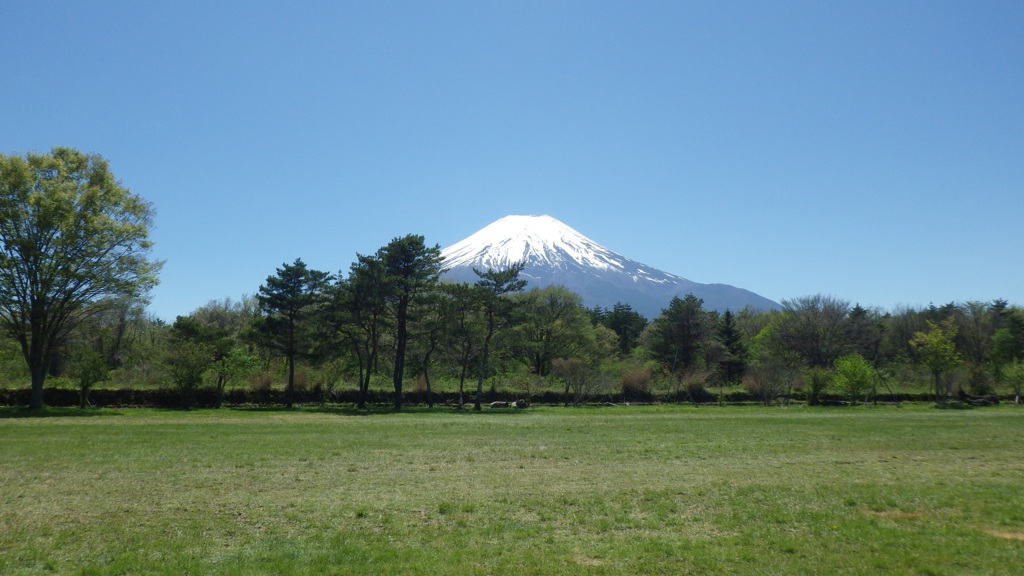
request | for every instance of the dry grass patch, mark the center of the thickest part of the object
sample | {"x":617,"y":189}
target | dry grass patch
{"x":1005,"y":535}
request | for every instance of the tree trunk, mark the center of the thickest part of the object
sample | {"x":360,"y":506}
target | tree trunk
{"x":221,"y":384}
{"x":38,"y":362}
{"x":290,"y":389}
{"x":35,"y":401}
{"x":480,"y":381}
{"x":364,"y":386}
{"x":462,"y":380}
{"x":426,"y":378}
{"x":430,"y":395}
{"x":361,"y":402}
{"x":401,"y":339}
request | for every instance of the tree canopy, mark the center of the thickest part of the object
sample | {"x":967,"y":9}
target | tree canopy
{"x":72,"y":239}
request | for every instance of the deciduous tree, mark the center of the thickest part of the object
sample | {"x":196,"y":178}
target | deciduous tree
{"x":937,"y":351}
{"x":71,"y":239}
{"x":854,"y":377}
{"x":553,"y":324}
{"x":811,"y":329}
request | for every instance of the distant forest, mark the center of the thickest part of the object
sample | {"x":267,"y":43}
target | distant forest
{"x":389,"y":329}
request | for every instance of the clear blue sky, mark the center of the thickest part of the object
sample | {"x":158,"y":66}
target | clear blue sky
{"x":873,"y":151}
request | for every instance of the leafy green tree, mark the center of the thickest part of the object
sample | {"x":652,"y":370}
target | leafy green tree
{"x":411,"y":271}
{"x":816,"y":381}
{"x":431,"y":317}
{"x":113,"y":329}
{"x":463,"y":328}
{"x":854,"y":376}
{"x":12,"y":363}
{"x":735,"y":357}
{"x":627,"y":324}
{"x":1007,"y":342}
{"x":72,"y":240}
{"x":974,"y":331}
{"x":682,"y":331}
{"x":236,"y":363}
{"x":1013,"y":372}
{"x":189,"y":358}
{"x":287,"y":302}
{"x":91,"y":368}
{"x":230,"y":317}
{"x":900,"y":326}
{"x":222,"y":325}
{"x":552,"y":324}
{"x":768,"y":380}
{"x":937,"y":351}
{"x":496,"y":311}
{"x":863,"y":333}
{"x":810,"y":331}
{"x":357,"y":313}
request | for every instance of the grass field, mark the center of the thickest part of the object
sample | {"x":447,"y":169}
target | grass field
{"x":633,"y":490}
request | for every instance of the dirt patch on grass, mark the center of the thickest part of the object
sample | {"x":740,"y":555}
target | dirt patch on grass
{"x":1005,"y":534}
{"x":896,"y":515}
{"x":588,"y":562}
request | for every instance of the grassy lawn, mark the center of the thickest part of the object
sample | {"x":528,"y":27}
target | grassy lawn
{"x":670,"y":490}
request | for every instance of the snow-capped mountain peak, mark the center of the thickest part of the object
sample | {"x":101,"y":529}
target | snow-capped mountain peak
{"x":555,"y":254}
{"x":537,"y":240}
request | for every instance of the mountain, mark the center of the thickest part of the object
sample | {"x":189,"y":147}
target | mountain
{"x":555,"y":254}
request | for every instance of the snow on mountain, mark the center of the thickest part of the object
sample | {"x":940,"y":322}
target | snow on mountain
{"x":539,"y":240}
{"x":555,"y":254}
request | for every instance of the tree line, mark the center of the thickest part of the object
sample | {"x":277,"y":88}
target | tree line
{"x":75,"y":269}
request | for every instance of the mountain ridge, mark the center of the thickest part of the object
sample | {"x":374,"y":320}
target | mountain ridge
{"x":556,"y":254}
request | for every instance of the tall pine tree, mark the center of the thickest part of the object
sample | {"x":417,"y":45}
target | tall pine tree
{"x":286,"y":301}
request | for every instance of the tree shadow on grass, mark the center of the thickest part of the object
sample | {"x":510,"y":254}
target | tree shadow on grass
{"x":371,"y":410}
{"x":15,"y":412}
{"x":12,"y":412}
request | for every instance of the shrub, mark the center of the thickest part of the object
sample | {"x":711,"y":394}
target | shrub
{"x":91,"y":369}
{"x":636,"y":382}
{"x":1014,"y":375}
{"x":695,"y":382}
{"x":767,"y":381}
{"x":186,"y":365}
{"x":301,"y":381}
{"x":262,"y":383}
{"x":854,"y":377}
{"x":980,"y":381}
{"x":582,"y":381}
{"x":815,"y":381}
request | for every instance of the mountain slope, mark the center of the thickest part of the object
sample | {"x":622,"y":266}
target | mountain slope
{"x":555,"y":254}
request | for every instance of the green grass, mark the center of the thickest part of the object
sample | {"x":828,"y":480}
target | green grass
{"x":668,"y":490}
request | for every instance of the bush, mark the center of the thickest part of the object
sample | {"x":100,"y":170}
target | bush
{"x":635,"y":383}
{"x":582,"y":381}
{"x":695,"y":382}
{"x":186,"y":365}
{"x":91,"y":368}
{"x":815,"y":381}
{"x":854,"y":377}
{"x":768,"y":381}
{"x":1014,"y":375}
{"x":980,"y":382}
